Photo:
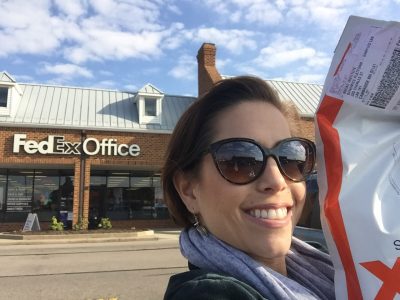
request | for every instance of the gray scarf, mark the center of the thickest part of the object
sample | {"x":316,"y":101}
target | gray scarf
{"x":310,"y":271}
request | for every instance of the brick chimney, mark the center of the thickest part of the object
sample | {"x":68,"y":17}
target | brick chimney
{"x":207,"y":72}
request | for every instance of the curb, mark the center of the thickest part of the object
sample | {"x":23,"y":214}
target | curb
{"x":12,"y":236}
{"x":19,"y":239}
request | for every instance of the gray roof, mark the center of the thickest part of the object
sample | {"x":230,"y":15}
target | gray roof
{"x":96,"y":109}
{"x":84,"y":108}
{"x":305,"y":96}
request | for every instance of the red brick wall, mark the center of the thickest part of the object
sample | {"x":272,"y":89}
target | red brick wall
{"x":307,"y":129}
{"x":152,"y":149}
{"x":207,"y":71}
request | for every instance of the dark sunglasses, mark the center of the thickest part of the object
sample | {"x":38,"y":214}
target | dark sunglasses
{"x":241,"y":160}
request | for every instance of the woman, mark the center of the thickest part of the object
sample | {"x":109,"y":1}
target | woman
{"x":234,"y":178}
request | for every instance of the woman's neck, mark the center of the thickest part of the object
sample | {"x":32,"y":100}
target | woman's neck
{"x":277,"y":264}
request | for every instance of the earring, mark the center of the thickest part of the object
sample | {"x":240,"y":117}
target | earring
{"x":200,"y":228}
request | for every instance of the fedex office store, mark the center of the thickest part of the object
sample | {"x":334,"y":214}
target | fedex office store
{"x":84,"y":154}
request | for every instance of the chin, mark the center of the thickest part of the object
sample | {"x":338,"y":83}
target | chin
{"x":273,"y":249}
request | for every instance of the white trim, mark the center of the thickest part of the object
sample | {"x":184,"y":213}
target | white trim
{"x":143,"y":119}
{"x":306,"y":115}
{"x":68,"y":127}
{"x":12,"y":80}
{"x":5,"y":110}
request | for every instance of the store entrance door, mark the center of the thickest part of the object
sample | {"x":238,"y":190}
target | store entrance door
{"x":97,"y":205}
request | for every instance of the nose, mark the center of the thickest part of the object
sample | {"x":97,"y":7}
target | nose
{"x":271,"y":179}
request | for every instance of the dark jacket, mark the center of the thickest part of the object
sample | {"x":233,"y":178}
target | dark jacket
{"x":199,"y":284}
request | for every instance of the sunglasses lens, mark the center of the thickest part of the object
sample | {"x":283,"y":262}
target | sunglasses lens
{"x":239,"y":161}
{"x":296,"y":159}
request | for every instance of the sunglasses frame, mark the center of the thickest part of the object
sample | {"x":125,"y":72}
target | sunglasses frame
{"x":267,"y":152}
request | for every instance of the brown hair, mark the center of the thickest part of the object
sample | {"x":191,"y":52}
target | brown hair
{"x":195,"y":129}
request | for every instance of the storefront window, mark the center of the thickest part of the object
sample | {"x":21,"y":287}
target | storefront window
{"x":66,"y":193}
{"x":45,"y":195}
{"x":3,"y":185}
{"x":125,"y":196}
{"x":19,"y":192}
{"x":45,"y":192}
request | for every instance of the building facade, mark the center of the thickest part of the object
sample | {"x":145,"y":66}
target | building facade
{"x":83,"y":154}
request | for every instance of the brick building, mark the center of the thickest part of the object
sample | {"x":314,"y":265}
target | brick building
{"x":80,"y":153}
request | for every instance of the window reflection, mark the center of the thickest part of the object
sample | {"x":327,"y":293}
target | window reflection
{"x":3,"y":183}
{"x":45,"y":192}
{"x":125,"y":196}
{"x":19,"y":192}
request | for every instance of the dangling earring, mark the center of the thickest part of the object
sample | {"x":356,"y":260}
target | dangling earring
{"x":200,"y":228}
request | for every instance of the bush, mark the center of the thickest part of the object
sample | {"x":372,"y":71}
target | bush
{"x":105,"y":223}
{"x":81,"y":225}
{"x":55,"y":225}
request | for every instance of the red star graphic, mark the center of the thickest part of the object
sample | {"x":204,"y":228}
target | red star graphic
{"x":389,"y":277}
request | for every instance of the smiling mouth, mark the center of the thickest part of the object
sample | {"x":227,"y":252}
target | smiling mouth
{"x":270,"y":213}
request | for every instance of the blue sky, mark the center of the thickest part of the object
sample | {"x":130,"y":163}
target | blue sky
{"x":124,"y":44}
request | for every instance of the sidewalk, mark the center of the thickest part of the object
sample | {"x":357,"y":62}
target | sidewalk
{"x":92,"y":237}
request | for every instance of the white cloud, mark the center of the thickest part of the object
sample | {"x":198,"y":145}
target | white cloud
{"x":87,"y":29}
{"x":221,"y":63}
{"x":173,"y":37}
{"x":106,"y":44}
{"x":27,"y":27}
{"x":105,"y":84}
{"x":174,"y":8}
{"x":133,"y":15}
{"x":23,"y":78}
{"x":66,"y":70}
{"x":263,"y":13}
{"x":306,"y":64}
{"x":324,"y":14}
{"x":320,"y":60}
{"x":130,"y":87}
{"x":253,"y":11}
{"x":19,"y":14}
{"x":282,"y":51}
{"x":72,"y":9}
{"x":185,"y":68}
{"x":105,"y":73}
{"x":298,"y":13}
{"x":18,"y":61}
{"x":236,"y":41}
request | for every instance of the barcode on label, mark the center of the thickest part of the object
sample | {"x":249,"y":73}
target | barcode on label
{"x":390,"y":82}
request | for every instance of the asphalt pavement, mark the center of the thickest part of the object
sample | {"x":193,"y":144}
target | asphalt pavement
{"x":107,"y":266}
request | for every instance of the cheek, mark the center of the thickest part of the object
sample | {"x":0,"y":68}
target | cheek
{"x":298,"y":191}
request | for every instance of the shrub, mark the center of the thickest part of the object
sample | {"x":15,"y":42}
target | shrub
{"x":55,"y":225}
{"x":105,"y":223}
{"x":81,"y":225}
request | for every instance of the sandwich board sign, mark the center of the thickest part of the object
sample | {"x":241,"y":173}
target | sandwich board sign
{"x":32,"y":223}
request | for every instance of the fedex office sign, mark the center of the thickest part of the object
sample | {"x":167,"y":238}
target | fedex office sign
{"x":57,"y":145}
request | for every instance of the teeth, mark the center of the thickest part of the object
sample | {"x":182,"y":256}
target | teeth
{"x":264,"y":214}
{"x":272,"y":214}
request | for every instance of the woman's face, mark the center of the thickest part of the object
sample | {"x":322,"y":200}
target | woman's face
{"x":229,"y":211}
